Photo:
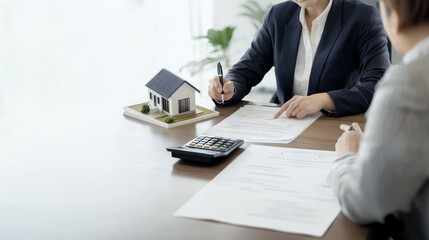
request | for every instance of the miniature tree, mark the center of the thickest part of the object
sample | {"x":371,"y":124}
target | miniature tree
{"x":145,"y":108}
{"x":169,"y":120}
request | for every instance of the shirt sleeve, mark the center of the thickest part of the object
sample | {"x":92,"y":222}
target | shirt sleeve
{"x":391,"y":164}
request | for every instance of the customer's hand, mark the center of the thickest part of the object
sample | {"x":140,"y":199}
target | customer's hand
{"x":348,"y":142}
{"x":301,"y":106}
{"x":215,"y":89}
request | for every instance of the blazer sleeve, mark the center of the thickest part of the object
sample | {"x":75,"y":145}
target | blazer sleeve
{"x":255,"y":63}
{"x":372,"y":60}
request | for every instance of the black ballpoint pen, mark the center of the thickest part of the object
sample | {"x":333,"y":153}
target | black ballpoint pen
{"x":220,"y":75}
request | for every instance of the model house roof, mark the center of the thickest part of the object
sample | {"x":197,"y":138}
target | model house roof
{"x":166,"y":83}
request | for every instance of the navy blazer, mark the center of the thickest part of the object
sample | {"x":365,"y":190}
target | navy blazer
{"x":351,"y":57}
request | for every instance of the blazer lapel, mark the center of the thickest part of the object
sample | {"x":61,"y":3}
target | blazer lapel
{"x":330,"y":34}
{"x":291,"y":38}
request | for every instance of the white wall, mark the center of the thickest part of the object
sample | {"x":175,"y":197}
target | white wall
{"x":228,"y":13}
{"x":55,"y":52}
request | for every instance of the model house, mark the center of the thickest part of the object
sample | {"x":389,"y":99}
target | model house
{"x":171,"y":94}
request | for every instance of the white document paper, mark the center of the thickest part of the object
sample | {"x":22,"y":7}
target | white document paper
{"x":256,"y":124}
{"x":283,"y":189}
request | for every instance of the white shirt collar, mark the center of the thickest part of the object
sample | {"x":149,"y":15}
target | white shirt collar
{"x":321,"y":19}
{"x":420,"y":49}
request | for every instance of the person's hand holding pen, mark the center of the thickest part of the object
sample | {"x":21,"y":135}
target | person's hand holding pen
{"x":220,"y":88}
{"x":348,"y":142}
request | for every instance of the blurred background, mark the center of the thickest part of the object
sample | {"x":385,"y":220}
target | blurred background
{"x":58,"y":54}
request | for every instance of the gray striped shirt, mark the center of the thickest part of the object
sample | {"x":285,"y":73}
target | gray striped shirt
{"x":390,"y":172}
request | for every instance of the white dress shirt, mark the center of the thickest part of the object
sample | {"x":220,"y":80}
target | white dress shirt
{"x":307,"y":49}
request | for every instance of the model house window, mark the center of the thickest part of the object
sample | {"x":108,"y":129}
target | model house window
{"x":150,"y":95}
{"x":184,"y":105}
{"x":165,"y":106}
{"x":158,"y":99}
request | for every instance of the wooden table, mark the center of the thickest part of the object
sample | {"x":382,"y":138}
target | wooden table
{"x":85,"y":175}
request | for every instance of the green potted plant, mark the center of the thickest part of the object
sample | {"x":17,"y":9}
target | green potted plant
{"x":255,"y":12}
{"x":219,"y":43}
{"x":219,"y":40}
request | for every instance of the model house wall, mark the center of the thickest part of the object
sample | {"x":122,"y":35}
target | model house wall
{"x":171,"y":94}
{"x":183,"y":98}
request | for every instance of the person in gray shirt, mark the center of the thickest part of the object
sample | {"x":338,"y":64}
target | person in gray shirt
{"x":382,"y":175}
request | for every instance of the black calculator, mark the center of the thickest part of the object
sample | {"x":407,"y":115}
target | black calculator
{"x":206,"y":149}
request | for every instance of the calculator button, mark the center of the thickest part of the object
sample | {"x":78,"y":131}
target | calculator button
{"x":213,"y":143}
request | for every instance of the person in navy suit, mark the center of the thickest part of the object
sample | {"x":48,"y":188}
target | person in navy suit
{"x":328,"y":56}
